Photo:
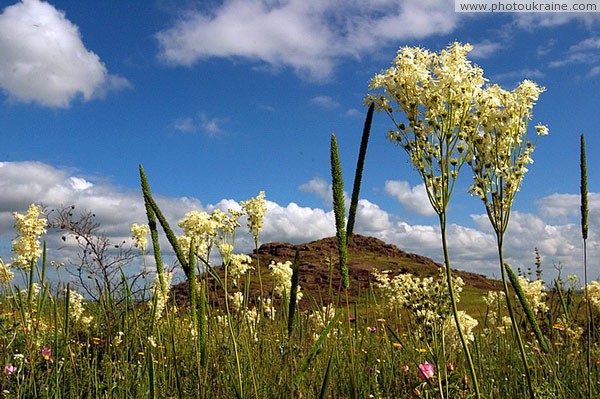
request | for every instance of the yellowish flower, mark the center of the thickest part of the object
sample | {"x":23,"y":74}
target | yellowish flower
{"x":255,"y":208}
{"x":76,"y":308}
{"x":6,"y":275}
{"x":282,"y":279}
{"x":30,"y":227}
{"x":139,"y":233}
{"x":436,"y":94}
{"x":593,"y":290}
{"x":534,"y":292}
{"x":161,"y":292}
{"x":238,"y":265}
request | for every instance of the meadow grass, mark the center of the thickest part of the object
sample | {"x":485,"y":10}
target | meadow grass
{"x":367,"y":350}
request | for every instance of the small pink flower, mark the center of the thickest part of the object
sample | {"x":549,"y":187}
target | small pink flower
{"x":352,"y":319}
{"x":9,"y":369}
{"x":405,"y":368}
{"x":450,"y":367}
{"x":47,"y":354}
{"x":373,"y":329}
{"x":426,"y":371}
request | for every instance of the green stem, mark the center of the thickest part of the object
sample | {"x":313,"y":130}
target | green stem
{"x":260,"y":282}
{"x":584,"y":235}
{"x":513,"y":320}
{"x":233,"y":336}
{"x":450,"y":283}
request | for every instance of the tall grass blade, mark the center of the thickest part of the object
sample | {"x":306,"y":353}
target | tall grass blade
{"x":359,"y":170}
{"x":584,"y":235}
{"x":527,"y":308}
{"x":316,"y":347}
{"x":327,"y":377}
{"x":293,"y":293}
{"x":202,"y":322}
{"x":339,"y":210}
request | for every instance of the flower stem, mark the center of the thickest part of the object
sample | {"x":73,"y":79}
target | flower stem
{"x":513,"y":320}
{"x":450,"y":283}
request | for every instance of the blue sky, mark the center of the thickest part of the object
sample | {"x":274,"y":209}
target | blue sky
{"x":221,"y":99}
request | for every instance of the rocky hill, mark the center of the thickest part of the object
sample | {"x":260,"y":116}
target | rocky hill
{"x":319,"y":275}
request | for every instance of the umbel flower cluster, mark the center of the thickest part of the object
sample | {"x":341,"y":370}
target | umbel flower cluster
{"x":426,"y":300}
{"x":450,"y":117}
{"x":30,"y":226}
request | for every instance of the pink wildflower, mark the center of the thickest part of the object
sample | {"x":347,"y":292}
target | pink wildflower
{"x":426,"y":371}
{"x":47,"y":354}
{"x":9,"y":369}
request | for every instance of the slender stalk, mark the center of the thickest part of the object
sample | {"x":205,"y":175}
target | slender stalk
{"x":584,"y":235}
{"x":240,"y":386}
{"x":260,"y":282}
{"x":450,"y":282}
{"x":360,"y":163}
{"x":511,"y":313}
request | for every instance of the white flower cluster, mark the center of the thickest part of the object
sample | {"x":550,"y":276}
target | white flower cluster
{"x":467,"y":324}
{"x":282,"y":280}
{"x":76,"y":308}
{"x":255,"y":208}
{"x":139,"y":233}
{"x":593,"y":290}
{"x":450,"y":118}
{"x":238,"y":265}
{"x":534,"y":292}
{"x":426,"y":298}
{"x":160,"y":290}
{"x":320,"y":318}
{"x":30,"y":228}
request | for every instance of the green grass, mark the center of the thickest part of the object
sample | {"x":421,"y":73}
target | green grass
{"x":123,"y":353}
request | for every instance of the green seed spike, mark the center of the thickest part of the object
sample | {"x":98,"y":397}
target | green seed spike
{"x":359,"y":170}
{"x":584,"y":192}
{"x":339,"y":209}
{"x":165,"y":225}
{"x":527,"y":308}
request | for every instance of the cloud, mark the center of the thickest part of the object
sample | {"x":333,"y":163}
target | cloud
{"x":211,"y":126}
{"x":414,"y":199}
{"x":320,"y":187}
{"x":585,"y":52}
{"x":44,"y":60}
{"x":309,"y":37}
{"x":324,"y":102}
{"x":532,"y":20}
{"x":186,"y":125}
{"x":485,"y":49}
{"x":471,"y":248}
{"x":519,"y":75}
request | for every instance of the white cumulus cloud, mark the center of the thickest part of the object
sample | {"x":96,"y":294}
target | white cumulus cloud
{"x":553,"y":230}
{"x":413,"y":198}
{"x":44,"y":60}
{"x":308,"y":36}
